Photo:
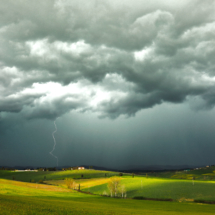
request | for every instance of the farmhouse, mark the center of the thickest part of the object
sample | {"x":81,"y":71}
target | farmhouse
{"x":77,"y":168}
{"x":81,"y":167}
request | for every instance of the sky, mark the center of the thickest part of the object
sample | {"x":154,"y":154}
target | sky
{"x":127,"y":83}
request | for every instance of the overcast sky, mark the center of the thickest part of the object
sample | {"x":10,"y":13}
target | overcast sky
{"x":127,"y":82}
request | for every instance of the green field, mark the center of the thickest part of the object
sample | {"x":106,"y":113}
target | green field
{"x":53,"y":175}
{"x":180,"y":190}
{"x":33,"y":198}
{"x":205,"y":174}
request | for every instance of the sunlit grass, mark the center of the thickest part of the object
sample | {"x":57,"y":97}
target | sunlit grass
{"x":32,"y":198}
{"x":31,"y":189}
{"x":25,"y":198}
{"x":85,"y":183}
{"x":163,"y":188}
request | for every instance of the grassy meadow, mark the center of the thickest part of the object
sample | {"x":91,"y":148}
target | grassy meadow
{"x":53,"y":175}
{"x":180,"y":190}
{"x":204,"y":174}
{"x":30,"y":198}
{"x":19,"y":196}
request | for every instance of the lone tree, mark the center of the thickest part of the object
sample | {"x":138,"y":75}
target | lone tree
{"x":70,"y":183}
{"x":114,"y":185}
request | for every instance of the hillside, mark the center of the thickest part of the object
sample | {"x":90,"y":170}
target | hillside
{"x":27,"y":198}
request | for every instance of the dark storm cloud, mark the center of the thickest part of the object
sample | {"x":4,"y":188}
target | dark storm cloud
{"x":127,"y":56}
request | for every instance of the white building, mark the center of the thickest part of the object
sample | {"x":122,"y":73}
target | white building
{"x":81,"y":167}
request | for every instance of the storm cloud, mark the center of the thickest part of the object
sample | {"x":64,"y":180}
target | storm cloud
{"x":149,"y":65}
{"x":110,"y":58}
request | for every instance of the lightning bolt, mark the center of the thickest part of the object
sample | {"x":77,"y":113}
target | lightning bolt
{"x":54,"y":143}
